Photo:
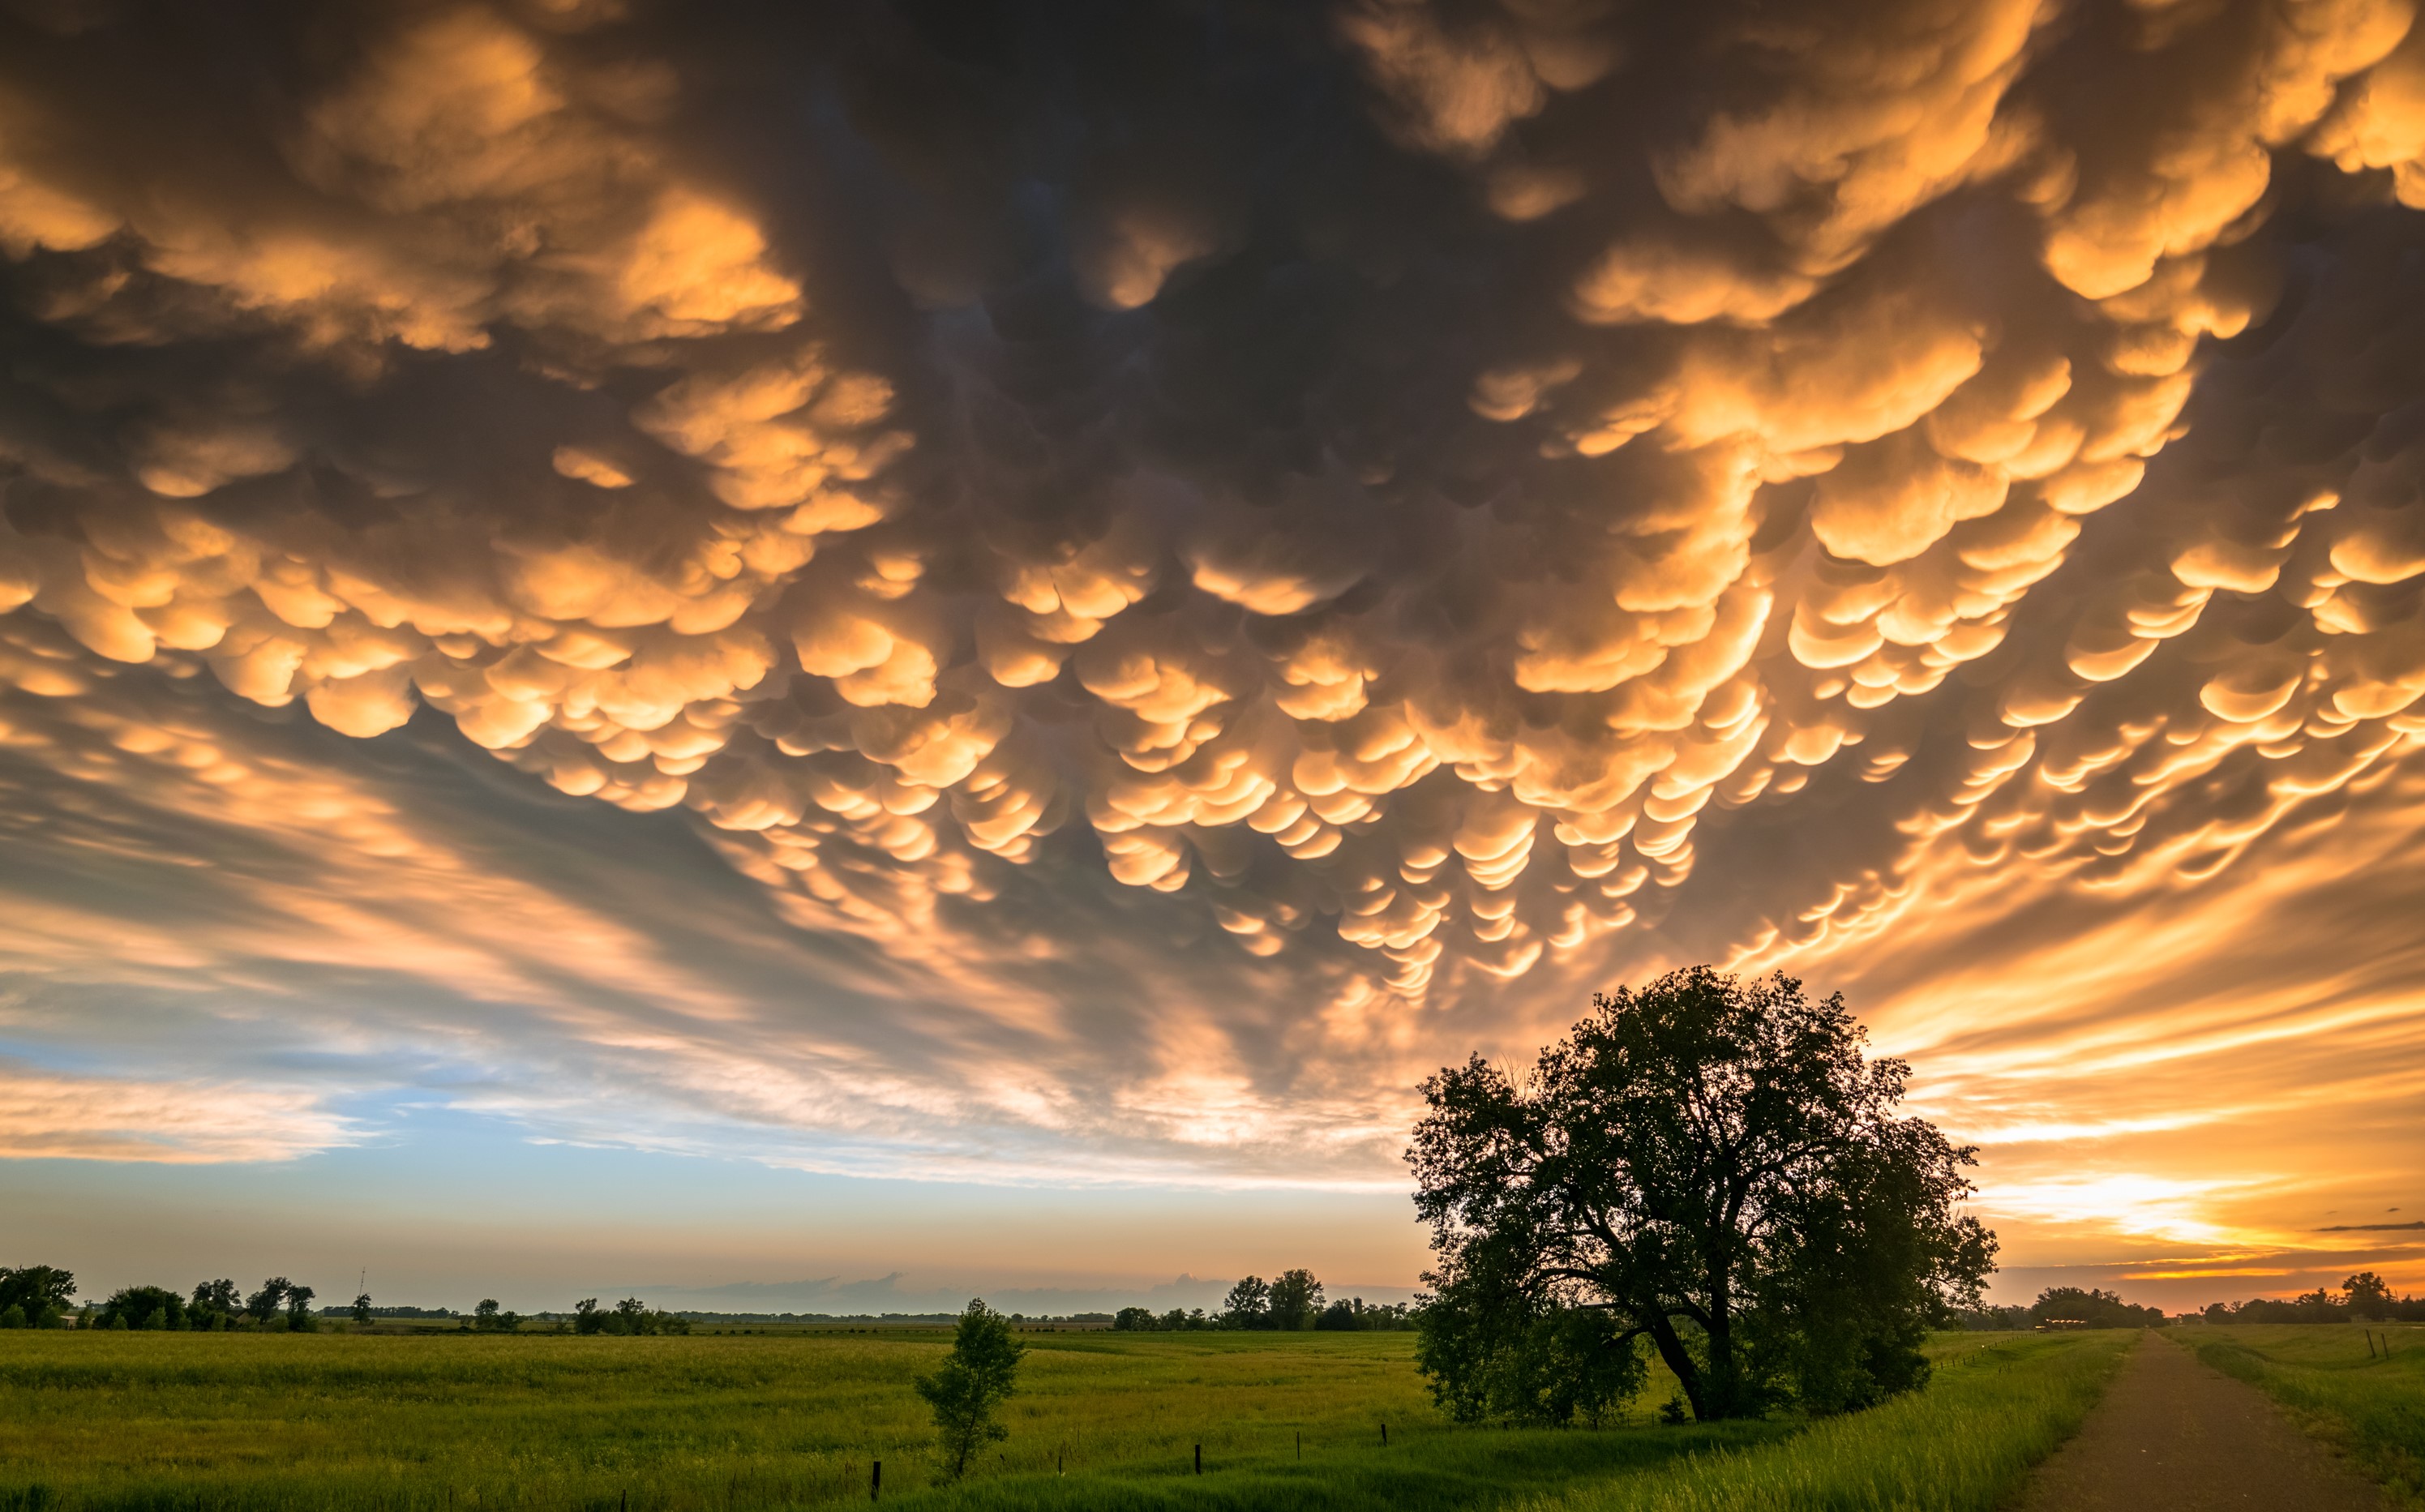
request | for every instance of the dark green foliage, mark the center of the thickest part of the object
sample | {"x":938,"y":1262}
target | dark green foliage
{"x":2097,"y":1309}
{"x":143,"y":1307}
{"x":12,"y":1316}
{"x":299,"y":1309}
{"x":1988,"y":1318}
{"x":1249,"y":1304}
{"x":1133,"y":1320}
{"x":1714,"y":1166}
{"x":215,"y":1304}
{"x":974,"y":1380}
{"x":1354,"y":1314}
{"x":263,"y":1304}
{"x":40,"y":1293}
{"x":1500,"y":1351}
{"x":361,"y":1309}
{"x":1296,"y":1299}
{"x":628,"y":1318}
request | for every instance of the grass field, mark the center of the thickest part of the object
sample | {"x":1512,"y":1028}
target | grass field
{"x":2370,"y":1405}
{"x":185,"y":1421}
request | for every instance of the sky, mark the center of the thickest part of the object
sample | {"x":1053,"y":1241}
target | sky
{"x":824,"y":657}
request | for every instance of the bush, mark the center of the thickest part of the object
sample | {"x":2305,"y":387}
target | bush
{"x":12,"y":1316}
{"x":143,"y":1307}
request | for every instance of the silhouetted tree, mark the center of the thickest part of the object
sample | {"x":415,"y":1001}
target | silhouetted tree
{"x":216,"y":1304}
{"x":1133,"y":1320}
{"x":490,"y":1318}
{"x":1353,"y":1313}
{"x":144,"y":1307}
{"x":2096,"y":1307}
{"x":299,"y":1309}
{"x":2368,"y":1296}
{"x":1296,"y":1297}
{"x":41,"y":1293}
{"x":1249,"y":1304}
{"x":1708,"y":1163}
{"x":263,"y":1304}
{"x":587,"y":1317}
{"x":361,"y":1310}
{"x":974,"y":1380}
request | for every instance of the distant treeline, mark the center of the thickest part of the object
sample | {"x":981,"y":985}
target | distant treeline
{"x":2362,"y":1297}
{"x":45,"y":1296}
{"x":1290,"y":1302}
{"x":2059,"y":1306}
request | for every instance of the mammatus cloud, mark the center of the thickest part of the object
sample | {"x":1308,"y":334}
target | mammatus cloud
{"x":1454,"y":502}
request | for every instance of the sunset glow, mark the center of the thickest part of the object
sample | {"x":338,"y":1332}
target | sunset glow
{"x":1072,"y":605}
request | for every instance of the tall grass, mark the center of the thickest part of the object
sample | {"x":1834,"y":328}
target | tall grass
{"x":150,"y":1422}
{"x":2368,"y":1403}
{"x":1964,"y":1444}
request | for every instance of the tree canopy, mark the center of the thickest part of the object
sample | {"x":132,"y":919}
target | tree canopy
{"x":1711,"y":1165}
{"x":2094,"y":1308}
{"x":143,"y":1307}
{"x":974,"y":1380}
{"x":40,"y":1292}
{"x":2368,"y":1295}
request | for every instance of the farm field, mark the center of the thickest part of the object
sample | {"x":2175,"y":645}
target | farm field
{"x":2370,"y":1405}
{"x":127,"y":1421}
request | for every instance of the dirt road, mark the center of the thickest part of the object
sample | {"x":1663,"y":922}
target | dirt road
{"x":2173,"y":1436}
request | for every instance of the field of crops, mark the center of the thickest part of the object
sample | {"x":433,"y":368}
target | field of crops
{"x":2365,"y":1395}
{"x":123,"y":1422}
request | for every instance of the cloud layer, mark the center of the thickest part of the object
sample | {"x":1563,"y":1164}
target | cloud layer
{"x":1203,"y":560}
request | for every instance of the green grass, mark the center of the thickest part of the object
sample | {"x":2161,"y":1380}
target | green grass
{"x":2372,"y":1407}
{"x":126,"y":1421}
{"x":1964,"y":1444}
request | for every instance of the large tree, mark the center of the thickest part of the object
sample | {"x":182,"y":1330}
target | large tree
{"x":1295,"y":1298}
{"x":1711,"y":1165}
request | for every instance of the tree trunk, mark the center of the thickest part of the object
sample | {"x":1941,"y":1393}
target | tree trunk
{"x":1680,"y":1360}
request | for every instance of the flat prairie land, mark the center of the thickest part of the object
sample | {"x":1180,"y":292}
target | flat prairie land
{"x":2364,"y":1395}
{"x":267,"y":1422}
